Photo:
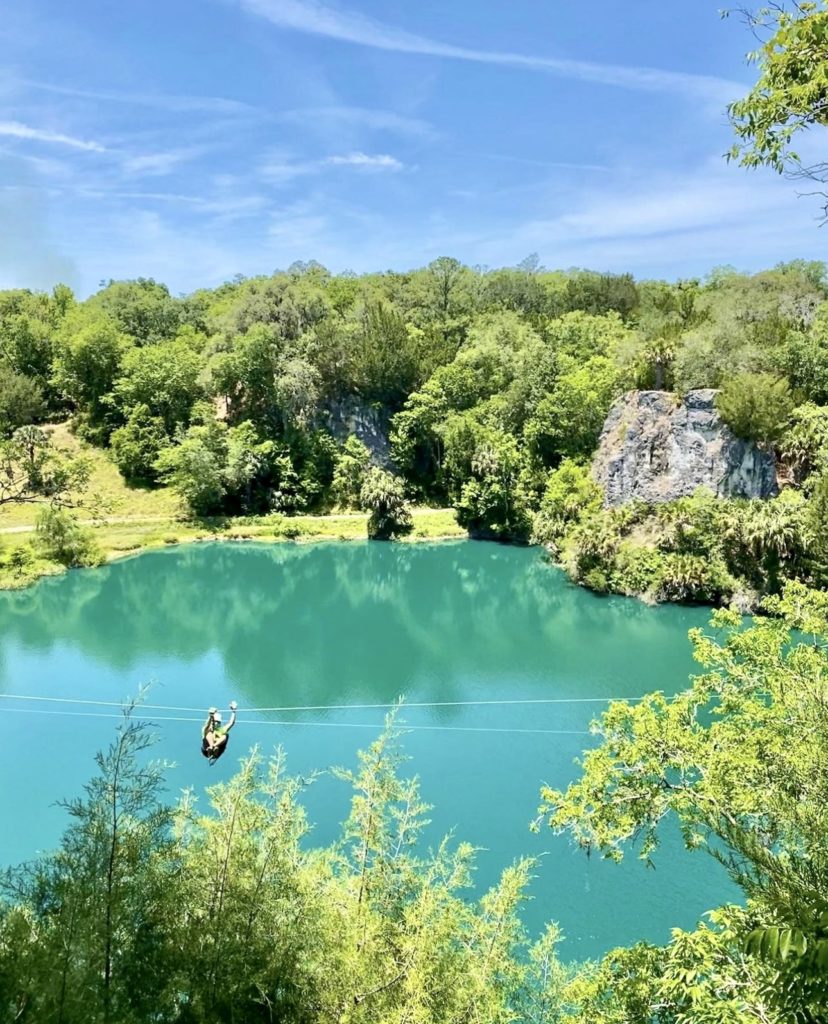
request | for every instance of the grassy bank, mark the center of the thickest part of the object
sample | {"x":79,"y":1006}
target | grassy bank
{"x":125,"y":536}
{"x":135,"y":519}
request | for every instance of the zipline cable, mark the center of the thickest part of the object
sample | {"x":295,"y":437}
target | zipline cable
{"x":323,"y":725}
{"x":338,"y":707}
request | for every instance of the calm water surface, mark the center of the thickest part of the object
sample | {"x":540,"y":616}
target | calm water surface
{"x":360,"y":624}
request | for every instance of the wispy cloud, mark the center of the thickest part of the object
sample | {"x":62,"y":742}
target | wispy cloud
{"x":366,"y":161}
{"x":170,"y":102}
{"x":361,"y":117}
{"x":317,"y":18}
{"x":280,"y":171}
{"x":158,"y":164}
{"x":654,"y":222}
{"x":17,"y":130}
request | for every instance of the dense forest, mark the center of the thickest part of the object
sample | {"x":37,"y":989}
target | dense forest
{"x":493,"y":387}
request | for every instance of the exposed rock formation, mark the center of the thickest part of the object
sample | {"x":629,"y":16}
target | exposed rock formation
{"x":657,"y":447}
{"x":369,"y":424}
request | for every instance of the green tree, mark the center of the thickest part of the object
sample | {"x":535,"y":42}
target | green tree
{"x":352,"y":464}
{"x":570,"y":492}
{"x":142,"y":309}
{"x":89,"y":353}
{"x":21,"y":400}
{"x":166,"y":378}
{"x":568,"y":422}
{"x":248,"y":461}
{"x":383,"y":496}
{"x":137,"y":445}
{"x":385,"y":364}
{"x":90,"y":937}
{"x":61,"y":538}
{"x":494,"y":501}
{"x":245,"y":376}
{"x":756,"y":407}
{"x":790,"y":96}
{"x":195,"y":466}
{"x":32,"y":469}
{"x":736,"y":759}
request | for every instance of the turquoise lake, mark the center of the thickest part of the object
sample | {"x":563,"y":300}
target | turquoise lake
{"x":359,"y":623}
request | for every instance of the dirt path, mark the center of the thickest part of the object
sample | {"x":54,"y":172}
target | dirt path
{"x":122,"y":520}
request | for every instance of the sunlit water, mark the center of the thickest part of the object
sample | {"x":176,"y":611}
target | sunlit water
{"x":360,"y":624}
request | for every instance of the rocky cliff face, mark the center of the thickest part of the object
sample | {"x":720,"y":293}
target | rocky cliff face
{"x":657,"y":447}
{"x":368,"y":424}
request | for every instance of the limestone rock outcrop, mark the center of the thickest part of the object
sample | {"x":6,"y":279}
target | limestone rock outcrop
{"x":657,"y":446}
{"x":365,"y":422}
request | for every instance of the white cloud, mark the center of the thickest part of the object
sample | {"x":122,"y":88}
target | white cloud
{"x":17,"y":130}
{"x":367,"y":162}
{"x":281,"y":171}
{"x":159,"y":163}
{"x":657,"y":222}
{"x":362,"y":117}
{"x":316,"y":18}
{"x":164,"y":101}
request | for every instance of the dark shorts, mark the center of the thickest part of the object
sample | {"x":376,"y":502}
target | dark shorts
{"x":215,"y":753}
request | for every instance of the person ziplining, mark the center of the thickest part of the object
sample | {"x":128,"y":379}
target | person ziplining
{"x":214,"y":735}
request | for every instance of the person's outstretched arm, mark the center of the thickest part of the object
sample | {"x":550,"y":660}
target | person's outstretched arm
{"x":232,"y":721}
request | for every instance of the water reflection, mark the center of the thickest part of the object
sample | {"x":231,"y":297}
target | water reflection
{"x":366,"y":621}
{"x":360,"y":623}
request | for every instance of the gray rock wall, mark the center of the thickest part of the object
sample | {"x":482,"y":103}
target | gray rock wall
{"x":656,"y":447}
{"x":370,"y":425}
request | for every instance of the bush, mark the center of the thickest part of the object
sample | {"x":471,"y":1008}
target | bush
{"x":17,"y":559}
{"x":383,"y":496}
{"x":756,"y":406}
{"x":805,"y":442}
{"x":352,"y":464}
{"x":596,"y":580}
{"x":495,"y":501}
{"x":137,"y":445}
{"x":21,"y":401}
{"x":570,"y":492}
{"x":60,"y":538}
{"x":636,"y":569}
{"x":595,"y":543}
{"x":692,"y":578}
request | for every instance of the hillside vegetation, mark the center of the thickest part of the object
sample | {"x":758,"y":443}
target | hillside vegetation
{"x":492,"y":385}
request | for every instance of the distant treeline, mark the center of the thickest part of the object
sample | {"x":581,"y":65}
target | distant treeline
{"x":493,"y":384}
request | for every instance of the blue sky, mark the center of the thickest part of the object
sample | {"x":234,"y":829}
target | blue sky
{"x":191,"y":140}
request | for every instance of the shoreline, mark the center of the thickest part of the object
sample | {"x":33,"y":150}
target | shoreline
{"x":127,"y":537}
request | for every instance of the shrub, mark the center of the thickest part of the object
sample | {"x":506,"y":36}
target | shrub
{"x":21,"y":400}
{"x":137,"y":445}
{"x":570,"y":492}
{"x":805,"y":442}
{"x":61,"y":538}
{"x":636,"y":569}
{"x":382,"y":495}
{"x":595,"y":542}
{"x":691,"y":578}
{"x":596,"y":580}
{"x":756,"y":406}
{"x":349,"y":473}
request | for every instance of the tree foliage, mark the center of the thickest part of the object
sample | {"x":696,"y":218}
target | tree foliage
{"x":790,"y":95}
{"x":736,"y":758}
{"x":173,"y":914}
{"x":756,"y":407}
{"x":383,"y":496}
